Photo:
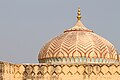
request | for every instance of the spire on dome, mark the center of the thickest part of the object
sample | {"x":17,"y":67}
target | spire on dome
{"x":79,"y":26}
{"x":79,"y":14}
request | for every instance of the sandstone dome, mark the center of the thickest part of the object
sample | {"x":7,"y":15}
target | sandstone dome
{"x":78,"y":44}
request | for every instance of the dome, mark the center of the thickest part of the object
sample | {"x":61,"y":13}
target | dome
{"x":78,"y":44}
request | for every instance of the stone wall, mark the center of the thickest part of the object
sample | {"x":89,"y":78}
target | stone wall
{"x":1,"y":70}
{"x":89,"y":71}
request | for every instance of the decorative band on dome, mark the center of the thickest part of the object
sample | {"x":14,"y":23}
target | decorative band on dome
{"x":76,"y":60}
{"x":78,"y":30}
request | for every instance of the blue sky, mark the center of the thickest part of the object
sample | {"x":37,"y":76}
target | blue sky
{"x":26,"y":25}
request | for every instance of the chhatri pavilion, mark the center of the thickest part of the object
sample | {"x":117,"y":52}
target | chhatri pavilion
{"x":76,"y":54}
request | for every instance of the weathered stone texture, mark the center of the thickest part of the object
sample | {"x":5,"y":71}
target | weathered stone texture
{"x":83,"y":71}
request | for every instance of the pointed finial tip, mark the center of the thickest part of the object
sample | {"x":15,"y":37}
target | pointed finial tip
{"x":79,"y":14}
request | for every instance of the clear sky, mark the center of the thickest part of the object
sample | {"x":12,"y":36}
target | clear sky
{"x":25,"y":25}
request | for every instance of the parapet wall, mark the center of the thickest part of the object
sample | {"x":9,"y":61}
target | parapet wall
{"x":81,"y":71}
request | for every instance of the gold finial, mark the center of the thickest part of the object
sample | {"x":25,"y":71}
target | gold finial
{"x":79,"y":15}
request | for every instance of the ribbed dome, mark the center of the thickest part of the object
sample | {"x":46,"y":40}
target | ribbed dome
{"x":78,"y":44}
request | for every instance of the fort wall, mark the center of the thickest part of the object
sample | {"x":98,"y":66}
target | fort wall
{"x":83,"y":71}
